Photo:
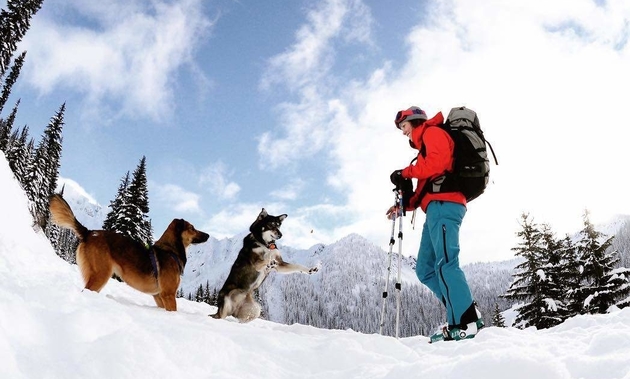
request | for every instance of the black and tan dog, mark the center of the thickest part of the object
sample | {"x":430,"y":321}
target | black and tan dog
{"x":155,"y":270}
{"x":255,"y":260}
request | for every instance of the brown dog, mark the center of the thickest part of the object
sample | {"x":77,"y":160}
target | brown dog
{"x":155,"y":270}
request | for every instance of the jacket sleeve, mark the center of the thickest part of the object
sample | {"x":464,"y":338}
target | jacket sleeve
{"x":439,"y":156}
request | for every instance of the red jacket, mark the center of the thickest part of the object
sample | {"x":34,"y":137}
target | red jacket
{"x":439,"y":159}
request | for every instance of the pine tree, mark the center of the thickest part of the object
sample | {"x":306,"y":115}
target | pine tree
{"x":19,"y":154}
{"x":6,"y":127}
{"x":112,"y":219}
{"x":552,"y":288}
{"x":14,"y":23}
{"x":136,"y":208}
{"x":206,"y":293}
{"x":5,"y":133}
{"x":41,"y":180}
{"x":570,"y":274}
{"x":622,"y":291}
{"x":601,"y":283}
{"x":129,"y":211}
{"x":530,"y":279}
{"x":199,"y":294}
{"x":11,"y":79}
{"x":497,"y":318}
{"x":214,"y":298}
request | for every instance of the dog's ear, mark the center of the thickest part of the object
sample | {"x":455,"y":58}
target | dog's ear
{"x":262,"y":214}
{"x":260,"y":217}
{"x":282,"y":217}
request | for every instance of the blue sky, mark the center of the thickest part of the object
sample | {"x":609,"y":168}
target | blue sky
{"x":288,"y":105}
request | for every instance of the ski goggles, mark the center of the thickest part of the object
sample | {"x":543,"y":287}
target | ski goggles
{"x":402,"y":115}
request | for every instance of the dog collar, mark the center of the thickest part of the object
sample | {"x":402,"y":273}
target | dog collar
{"x":271,"y":246}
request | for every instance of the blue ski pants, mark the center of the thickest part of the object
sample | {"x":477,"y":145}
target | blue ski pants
{"x":437,"y":266}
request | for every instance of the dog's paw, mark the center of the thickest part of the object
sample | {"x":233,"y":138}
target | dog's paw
{"x":272,"y":264}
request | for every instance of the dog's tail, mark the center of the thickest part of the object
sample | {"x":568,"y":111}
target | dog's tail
{"x":62,"y":215}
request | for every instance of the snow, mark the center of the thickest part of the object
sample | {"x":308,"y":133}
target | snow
{"x":551,"y":304}
{"x":50,"y":328}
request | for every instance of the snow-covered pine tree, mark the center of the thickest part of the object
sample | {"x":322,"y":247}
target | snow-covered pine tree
{"x":203,"y":294}
{"x":214,"y":297}
{"x":136,"y":209}
{"x":11,"y":79}
{"x":41,"y":180}
{"x":531,"y":284}
{"x":206,"y":293}
{"x":5,"y":133}
{"x":129,"y":210}
{"x":199,"y":294}
{"x":602,"y":285}
{"x":552,"y":289}
{"x":497,"y":317}
{"x":14,"y":23}
{"x":112,"y":219}
{"x":20,"y":154}
{"x":6,"y":128}
{"x":620,"y":286}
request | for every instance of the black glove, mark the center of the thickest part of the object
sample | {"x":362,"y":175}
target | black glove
{"x":397,"y":178}
{"x":402,"y":184}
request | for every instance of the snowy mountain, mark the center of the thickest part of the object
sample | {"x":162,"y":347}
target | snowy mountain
{"x":88,"y":210}
{"x":614,"y":225}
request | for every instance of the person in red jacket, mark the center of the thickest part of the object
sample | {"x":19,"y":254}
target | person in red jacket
{"x":437,"y":265}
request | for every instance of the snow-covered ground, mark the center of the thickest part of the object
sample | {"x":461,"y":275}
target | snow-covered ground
{"x":50,"y":328}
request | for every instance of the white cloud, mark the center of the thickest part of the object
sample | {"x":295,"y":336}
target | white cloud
{"x":546,"y":81}
{"x":304,"y":69}
{"x":176,"y":198}
{"x":127,"y":54}
{"x":214,"y":178}
{"x":291,"y":191}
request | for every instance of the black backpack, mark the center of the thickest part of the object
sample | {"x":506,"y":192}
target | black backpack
{"x":471,"y":167}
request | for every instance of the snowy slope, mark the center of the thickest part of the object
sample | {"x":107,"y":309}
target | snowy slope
{"x":49,"y":328}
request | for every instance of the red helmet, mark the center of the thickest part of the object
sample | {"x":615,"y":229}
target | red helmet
{"x":412,"y":113}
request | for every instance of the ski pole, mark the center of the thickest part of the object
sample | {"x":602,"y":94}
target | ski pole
{"x":389,"y":268}
{"x":399,"y":199}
